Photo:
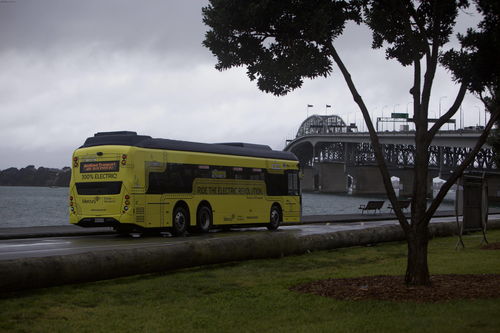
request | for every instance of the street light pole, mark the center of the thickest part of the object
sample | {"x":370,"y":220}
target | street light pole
{"x":440,"y":98}
{"x":309,"y":106}
{"x":478,"y":115}
{"x":461,"y":118}
{"x":408,"y":104}
{"x":393,"y":120}
{"x":385,"y":106}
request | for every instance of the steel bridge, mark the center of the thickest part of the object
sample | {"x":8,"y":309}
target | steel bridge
{"x":331,"y":152}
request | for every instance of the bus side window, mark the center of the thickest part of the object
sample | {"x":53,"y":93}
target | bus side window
{"x":156,"y":183}
{"x":177,"y":178}
{"x":180,"y":178}
{"x":202,"y":171}
{"x":276,"y":184}
{"x":236,"y":173}
{"x":256,"y":174}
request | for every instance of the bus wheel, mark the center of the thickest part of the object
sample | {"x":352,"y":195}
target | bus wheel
{"x":180,"y":221}
{"x":275,"y":218}
{"x":204,"y":219}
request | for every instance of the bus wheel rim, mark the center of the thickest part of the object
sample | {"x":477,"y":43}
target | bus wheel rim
{"x":180,"y":220}
{"x":205,"y":220}
{"x":275,"y":217}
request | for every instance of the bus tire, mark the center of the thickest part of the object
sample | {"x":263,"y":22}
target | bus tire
{"x":204,"y":219}
{"x":180,"y":221}
{"x":275,"y":218}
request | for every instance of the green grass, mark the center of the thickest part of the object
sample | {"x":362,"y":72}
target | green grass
{"x":253,"y":296}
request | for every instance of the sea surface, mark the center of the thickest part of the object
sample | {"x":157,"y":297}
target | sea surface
{"x":43,"y":206}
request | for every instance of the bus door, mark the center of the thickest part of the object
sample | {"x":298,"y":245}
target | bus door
{"x":292,"y":209}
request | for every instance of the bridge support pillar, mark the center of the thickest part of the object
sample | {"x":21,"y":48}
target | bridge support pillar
{"x":307,"y":181}
{"x":367,"y":180}
{"x":332,"y":177}
{"x":406,"y":177}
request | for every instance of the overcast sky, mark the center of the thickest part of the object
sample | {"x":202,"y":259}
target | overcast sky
{"x":70,"y":68}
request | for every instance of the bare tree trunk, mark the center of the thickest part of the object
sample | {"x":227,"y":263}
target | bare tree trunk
{"x":417,"y":269}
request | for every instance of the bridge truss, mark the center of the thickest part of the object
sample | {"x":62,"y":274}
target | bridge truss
{"x":397,"y":155}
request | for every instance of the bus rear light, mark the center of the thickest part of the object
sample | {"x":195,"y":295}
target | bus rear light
{"x":127,"y":197}
{"x":125,"y":208}
{"x":75,"y":162}
{"x":124,"y":159}
{"x":127,"y":202}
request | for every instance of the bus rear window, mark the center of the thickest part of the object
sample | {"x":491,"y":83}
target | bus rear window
{"x":99,"y":188}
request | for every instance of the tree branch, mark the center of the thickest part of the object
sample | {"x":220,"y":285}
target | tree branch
{"x":416,"y":92}
{"x":374,"y":139}
{"x":431,"y":60}
{"x":450,"y":113}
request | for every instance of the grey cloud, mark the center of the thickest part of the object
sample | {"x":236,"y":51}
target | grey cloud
{"x":161,"y":26}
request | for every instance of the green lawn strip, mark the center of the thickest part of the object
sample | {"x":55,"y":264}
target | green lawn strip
{"x":253,"y":296}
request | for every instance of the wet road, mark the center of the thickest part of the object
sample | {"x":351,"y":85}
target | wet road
{"x":52,"y":246}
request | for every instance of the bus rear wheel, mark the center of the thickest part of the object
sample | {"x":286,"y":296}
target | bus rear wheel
{"x":204,"y":219}
{"x":275,"y":218}
{"x":180,"y":221}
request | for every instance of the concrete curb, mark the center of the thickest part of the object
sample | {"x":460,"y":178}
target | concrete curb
{"x":51,"y":231}
{"x":30,"y":273}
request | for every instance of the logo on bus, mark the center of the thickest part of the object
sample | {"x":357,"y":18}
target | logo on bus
{"x":90,"y":201}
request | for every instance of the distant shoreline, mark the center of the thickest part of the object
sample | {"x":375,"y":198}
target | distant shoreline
{"x":31,"y":176}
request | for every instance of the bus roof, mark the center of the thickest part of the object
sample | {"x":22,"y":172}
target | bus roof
{"x":126,"y":138}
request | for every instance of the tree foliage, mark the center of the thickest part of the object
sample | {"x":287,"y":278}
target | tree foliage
{"x":280,"y":42}
{"x":283,"y":42}
{"x":478,"y":63}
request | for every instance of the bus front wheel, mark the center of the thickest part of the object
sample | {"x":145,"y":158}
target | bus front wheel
{"x":275,"y":218}
{"x":180,"y":221}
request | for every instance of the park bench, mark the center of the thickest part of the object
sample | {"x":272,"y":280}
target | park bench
{"x":372,"y":205}
{"x":403,"y":204}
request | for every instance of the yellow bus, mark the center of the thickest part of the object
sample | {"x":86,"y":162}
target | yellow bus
{"x":135,"y":182}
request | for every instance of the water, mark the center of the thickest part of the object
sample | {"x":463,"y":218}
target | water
{"x":337,"y":204}
{"x":33,"y":206}
{"x":43,"y":206}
